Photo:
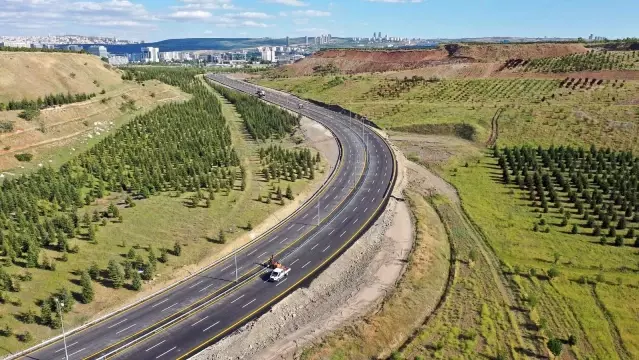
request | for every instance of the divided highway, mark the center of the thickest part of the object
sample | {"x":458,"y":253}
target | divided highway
{"x":192,"y":315}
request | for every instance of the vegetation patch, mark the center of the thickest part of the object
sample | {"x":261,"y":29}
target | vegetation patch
{"x":24,"y":157}
{"x":593,"y":60}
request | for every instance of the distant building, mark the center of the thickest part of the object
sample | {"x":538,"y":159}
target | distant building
{"x":36,"y":46}
{"x":14,"y":44}
{"x":169,"y":56}
{"x":98,"y":50}
{"x":288,"y":42}
{"x":267,"y":53}
{"x":150,"y":54}
{"x":306,"y":39}
{"x":74,"y":48}
{"x":117,"y":60}
{"x":48,"y":46}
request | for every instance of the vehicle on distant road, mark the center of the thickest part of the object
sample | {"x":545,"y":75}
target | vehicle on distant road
{"x":260,"y":93}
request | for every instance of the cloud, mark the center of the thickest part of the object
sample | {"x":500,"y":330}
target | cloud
{"x":205,"y":5}
{"x":310,"y":13}
{"x":190,"y":15}
{"x":312,"y":30}
{"x":250,"y":15}
{"x":288,"y":2}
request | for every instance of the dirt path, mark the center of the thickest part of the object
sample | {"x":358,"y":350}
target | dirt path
{"x":620,"y":348}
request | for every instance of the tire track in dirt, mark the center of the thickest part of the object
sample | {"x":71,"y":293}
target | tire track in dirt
{"x":620,"y":347}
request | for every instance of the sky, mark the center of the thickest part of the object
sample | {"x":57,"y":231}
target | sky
{"x":154,"y":20}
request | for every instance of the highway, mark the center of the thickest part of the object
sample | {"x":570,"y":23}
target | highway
{"x":192,"y":315}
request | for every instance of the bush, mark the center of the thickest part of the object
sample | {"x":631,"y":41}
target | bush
{"x":29,"y":114}
{"x":24,"y":157}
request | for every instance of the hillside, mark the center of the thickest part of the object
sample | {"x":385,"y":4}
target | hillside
{"x":29,"y":75}
{"x":360,"y":61}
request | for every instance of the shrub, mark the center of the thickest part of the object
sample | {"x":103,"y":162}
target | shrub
{"x":24,"y":157}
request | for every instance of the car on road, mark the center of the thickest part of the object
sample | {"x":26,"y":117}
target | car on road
{"x":279,"y":273}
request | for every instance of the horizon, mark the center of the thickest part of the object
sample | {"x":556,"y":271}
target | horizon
{"x":152,"y":21}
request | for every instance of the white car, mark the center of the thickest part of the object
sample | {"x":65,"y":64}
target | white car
{"x":279,"y":273}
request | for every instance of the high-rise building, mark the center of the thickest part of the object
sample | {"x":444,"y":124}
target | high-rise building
{"x":379,"y":35}
{"x":288,"y":42}
{"x":150,"y":54}
{"x":98,"y":50}
{"x":374,"y":36}
{"x":306,"y":39}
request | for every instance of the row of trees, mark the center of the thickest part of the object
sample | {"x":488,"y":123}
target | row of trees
{"x":262,"y":120}
{"x":591,"y":61}
{"x":48,"y":101}
{"x":288,"y":164}
{"x":601,"y":186}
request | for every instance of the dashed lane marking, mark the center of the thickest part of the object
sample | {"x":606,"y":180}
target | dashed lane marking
{"x":156,"y":345}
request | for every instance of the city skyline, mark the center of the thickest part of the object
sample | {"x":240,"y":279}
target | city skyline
{"x":168,"y":19}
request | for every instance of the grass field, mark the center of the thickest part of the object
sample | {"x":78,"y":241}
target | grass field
{"x":158,"y":221}
{"x":373,"y":336}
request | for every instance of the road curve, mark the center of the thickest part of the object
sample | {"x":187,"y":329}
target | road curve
{"x":192,"y":315}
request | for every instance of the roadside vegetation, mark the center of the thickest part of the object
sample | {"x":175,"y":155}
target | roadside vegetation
{"x":544,"y":240}
{"x":130,"y":212}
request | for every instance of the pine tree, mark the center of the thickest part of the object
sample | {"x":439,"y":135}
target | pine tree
{"x":45,"y":313}
{"x":115,"y":274}
{"x":131,"y":254}
{"x":136,"y":282}
{"x":91,"y":234}
{"x":177,"y":249}
{"x":289,"y":193}
{"x":87,"y":288}
{"x":94,"y":271}
{"x":221,"y":237}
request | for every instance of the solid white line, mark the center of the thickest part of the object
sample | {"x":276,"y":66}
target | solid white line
{"x":196,"y":284}
{"x":75,"y":352}
{"x":251,"y":252}
{"x":166,"y":352}
{"x":158,"y":344}
{"x":313,"y":248}
{"x":296,"y":260}
{"x":241,"y":296}
{"x":343,"y":234}
{"x":161,"y":302}
{"x":199,"y":321}
{"x":125,"y":329}
{"x":116,"y":324}
{"x":326,"y":248}
{"x":206,"y":287}
{"x":68,"y":346}
{"x":210,"y":326}
{"x":303,"y":266}
{"x":262,"y":254}
{"x":167,"y":308}
{"x":249,"y":303}
{"x":332,"y":231}
{"x":278,"y":284}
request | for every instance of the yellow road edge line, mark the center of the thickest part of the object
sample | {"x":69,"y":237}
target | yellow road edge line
{"x":199,"y":347}
{"x":304,"y":206}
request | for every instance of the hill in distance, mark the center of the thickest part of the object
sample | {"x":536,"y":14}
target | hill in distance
{"x":204,"y":44}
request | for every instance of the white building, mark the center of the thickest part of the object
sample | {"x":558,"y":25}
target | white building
{"x":98,"y":50}
{"x":15,"y":44}
{"x":169,"y":56}
{"x":117,"y":60}
{"x":74,"y":48}
{"x":267,"y":53}
{"x":150,"y":54}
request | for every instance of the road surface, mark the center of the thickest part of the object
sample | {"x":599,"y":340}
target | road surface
{"x":190,"y":316}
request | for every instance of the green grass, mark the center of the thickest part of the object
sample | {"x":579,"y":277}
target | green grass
{"x":159,"y":221}
{"x":591,"y":61}
{"x":606,"y":115}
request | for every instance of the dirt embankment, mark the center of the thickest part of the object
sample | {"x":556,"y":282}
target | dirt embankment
{"x":32,"y":74}
{"x":360,"y":61}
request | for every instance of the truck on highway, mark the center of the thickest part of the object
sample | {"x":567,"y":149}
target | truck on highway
{"x":279,"y":271}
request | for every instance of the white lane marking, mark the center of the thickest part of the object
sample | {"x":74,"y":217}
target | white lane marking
{"x":313,"y":248}
{"x":241,"y":296}
{"x":271,"y":239}
{"x":116,"y":324}
{"x":168,"y":307}
{"x":281,"y":242}
{"x":289,"y":227}
{"x":161,"y":302}
{"x":206,"y":287}
{"x":227,"y":267}
{"x":369,"y":190}
{"x":166,"y":352}
{"x":326,"y":248}
{"x":356,"y":220}
{"x":158,"y":344}
{"x":199,"y":321}
{"x":301,"y":227}
{"x":365,"y":209}
{"x":303,"y":266}
{"x":378,"y":190}
{"x":196,"y":284}
{"x":335,"y":197}
{"x":75,"y":352}
{"x":278,"y":284}
{"x":210,"y":326}
{"x":332,"y":231}
{"x":343,"y":221}
{"x":248,"y":303}
{"x":68,"y":346}
{"x":296,"y":260}
{"x":343,"y":234}
{"x":251,"y":253}
{"x":305,"y":215}
{"x":355,"y":208}
{"x":262,"y":254}
{"x":125,"y":329}
{"x":325,"y":206}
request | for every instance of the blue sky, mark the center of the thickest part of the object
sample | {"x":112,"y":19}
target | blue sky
{"x":152,"y":20}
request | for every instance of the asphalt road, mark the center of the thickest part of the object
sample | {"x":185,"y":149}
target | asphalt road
{"x":199,"y":311}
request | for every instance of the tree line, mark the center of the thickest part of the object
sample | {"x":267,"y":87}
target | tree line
{"x":50,"y":100}
{"x":262,"y":120}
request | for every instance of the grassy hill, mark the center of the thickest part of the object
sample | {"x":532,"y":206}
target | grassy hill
{"x":573,"y":285}
{"x":29,"y":75}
